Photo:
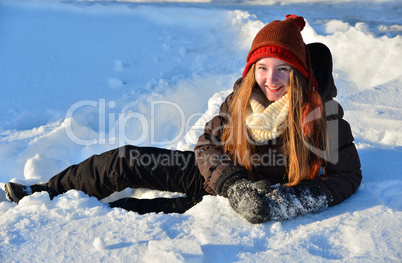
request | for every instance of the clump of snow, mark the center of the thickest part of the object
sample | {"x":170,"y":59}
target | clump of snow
{"x":391,"y":28}
{"x":36,"y":200}
{"x":42,"y":167}
{"x":334,"y":26}
{"x":99,"y":244}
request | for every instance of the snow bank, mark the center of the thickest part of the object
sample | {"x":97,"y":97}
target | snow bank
{"x":81,"y":78}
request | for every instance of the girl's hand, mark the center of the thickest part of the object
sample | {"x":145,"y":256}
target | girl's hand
{"x":258,"y":202}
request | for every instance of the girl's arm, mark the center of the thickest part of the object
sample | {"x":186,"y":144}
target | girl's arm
{"x":342,"y":175}
{"x":213,"y":163}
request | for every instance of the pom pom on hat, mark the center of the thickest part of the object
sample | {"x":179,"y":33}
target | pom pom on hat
{"x":299,"y":21}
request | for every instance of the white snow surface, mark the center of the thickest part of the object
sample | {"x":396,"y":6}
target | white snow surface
{"x":78,"y":78}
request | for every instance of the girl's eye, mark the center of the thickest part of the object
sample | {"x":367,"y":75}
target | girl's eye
{"x":262,"y":68}
{"x":283,"y":69}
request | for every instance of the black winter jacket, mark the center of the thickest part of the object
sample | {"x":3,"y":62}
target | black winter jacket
{"x":341,"y":175}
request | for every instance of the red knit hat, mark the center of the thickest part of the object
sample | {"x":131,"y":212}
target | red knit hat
{"x":283,"y":40}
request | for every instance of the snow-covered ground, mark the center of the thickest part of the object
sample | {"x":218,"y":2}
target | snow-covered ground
{"x":78,"y":78}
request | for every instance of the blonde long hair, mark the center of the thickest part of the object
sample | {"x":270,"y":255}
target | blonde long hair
{"x":301,"y":162}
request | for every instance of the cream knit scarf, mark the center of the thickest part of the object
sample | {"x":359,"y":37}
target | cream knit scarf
{"x":266,"y":123}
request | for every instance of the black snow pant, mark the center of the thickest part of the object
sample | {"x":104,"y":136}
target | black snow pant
{"x":136,"y":167}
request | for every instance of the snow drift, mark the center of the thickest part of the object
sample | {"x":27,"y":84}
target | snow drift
{"x":79,"y":78}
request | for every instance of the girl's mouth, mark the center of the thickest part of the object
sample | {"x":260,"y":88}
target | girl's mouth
{"x":274,"y":88}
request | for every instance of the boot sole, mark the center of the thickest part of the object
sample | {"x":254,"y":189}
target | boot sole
{"x":10,"y":193}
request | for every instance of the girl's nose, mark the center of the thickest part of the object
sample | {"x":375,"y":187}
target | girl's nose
{"x":270,"y":77}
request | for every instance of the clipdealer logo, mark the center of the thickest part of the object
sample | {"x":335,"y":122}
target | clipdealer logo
{"x":118,"y":123}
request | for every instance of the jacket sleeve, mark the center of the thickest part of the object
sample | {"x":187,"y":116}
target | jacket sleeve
{"x":342,"y":174}
{"x":213,"y":163}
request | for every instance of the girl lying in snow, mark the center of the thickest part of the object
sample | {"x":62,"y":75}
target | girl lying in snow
{"x":264,"y":151}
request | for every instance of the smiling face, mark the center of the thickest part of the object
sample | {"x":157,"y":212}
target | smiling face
{"x":272,"y":76}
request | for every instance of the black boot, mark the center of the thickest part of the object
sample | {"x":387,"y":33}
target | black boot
{"x":15,"y":192}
